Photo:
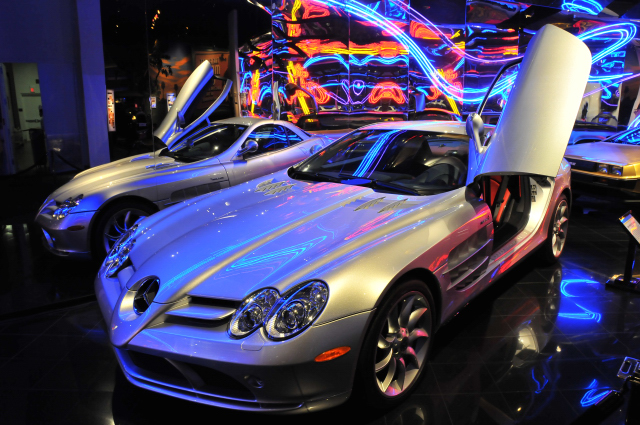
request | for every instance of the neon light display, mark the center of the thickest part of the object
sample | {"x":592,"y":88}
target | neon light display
{"x":348,"y":74}
{"x":386,"y":91}
{"x":591,"y":7}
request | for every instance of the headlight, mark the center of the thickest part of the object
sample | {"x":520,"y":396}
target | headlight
{"x":252,"y":312}
{"x":294,"y":313}
{"x":603,"y":168}
{"x":616,"y":171}
{"x":66,"y":207}
{"x":119,"y":254}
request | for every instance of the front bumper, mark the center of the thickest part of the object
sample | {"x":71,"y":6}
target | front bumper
{"x":61,"y":238}
{"x":201,"y":363}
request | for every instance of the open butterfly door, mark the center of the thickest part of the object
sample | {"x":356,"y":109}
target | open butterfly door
{"x":192,"y":106}
{"x":538,"y":117}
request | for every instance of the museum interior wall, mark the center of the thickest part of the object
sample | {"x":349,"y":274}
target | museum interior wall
{"x":56,"y":43}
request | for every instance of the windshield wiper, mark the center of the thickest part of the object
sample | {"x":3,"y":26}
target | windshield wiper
{"x":394,"y":186}
{"x":315,"y":176}
{"x":344,"y":178}
{"x":385,"y":185}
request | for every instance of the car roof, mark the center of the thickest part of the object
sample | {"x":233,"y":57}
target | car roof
{"x":435,"y":126}
{"x":454,"y":127}
{"x":242,"y":120}
{"x":250,"y":121}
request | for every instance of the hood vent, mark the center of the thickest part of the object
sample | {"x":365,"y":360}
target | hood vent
{"x":204,"y":311}
{"x":396,"y":205}
{"x":369,"y":204}
{"x":270,"y":188}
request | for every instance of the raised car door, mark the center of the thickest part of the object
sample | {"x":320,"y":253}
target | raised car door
{"x":537,"y":119}
{"x":191,"y":109}
{"x":274,"y":153}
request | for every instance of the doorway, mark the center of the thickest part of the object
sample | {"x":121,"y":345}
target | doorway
{"x":22,"y":139}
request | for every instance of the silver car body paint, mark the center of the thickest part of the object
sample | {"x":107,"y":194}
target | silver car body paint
{"x":154,"y":178}
{"x":209,"y":253}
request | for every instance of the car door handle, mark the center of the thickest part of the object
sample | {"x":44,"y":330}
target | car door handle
{"x":217,"y":178}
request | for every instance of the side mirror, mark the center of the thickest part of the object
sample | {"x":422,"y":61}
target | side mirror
{"x":314,"y":149}
{"x":475,"y":129}
{"x":180,"y":117}
{"x":250,"y":146}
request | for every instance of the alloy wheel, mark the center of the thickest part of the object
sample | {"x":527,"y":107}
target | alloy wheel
{"x":403,"y":344}
{"x":560,"y":228}
{"x":118,"y":224}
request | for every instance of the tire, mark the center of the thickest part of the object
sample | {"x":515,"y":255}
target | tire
{"x":115,"y":220}
{"x":553,"y":246}
{"x":383,"y":389}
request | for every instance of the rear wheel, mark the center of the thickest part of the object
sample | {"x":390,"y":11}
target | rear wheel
{"x":397,"y":344}
{"x":114,"y":222}
{"x":553,"y":247}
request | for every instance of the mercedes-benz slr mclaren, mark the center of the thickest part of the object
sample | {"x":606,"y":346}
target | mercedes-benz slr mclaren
{"x":291,"y":292}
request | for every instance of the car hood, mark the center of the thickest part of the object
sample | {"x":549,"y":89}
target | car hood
{"x":270,"y":232}
{"x":97,"y":178}
{"x":610,"y":153}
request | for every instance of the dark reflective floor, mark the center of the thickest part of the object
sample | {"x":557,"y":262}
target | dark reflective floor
{"x":539,"y":347}
{"x":32,"y":278}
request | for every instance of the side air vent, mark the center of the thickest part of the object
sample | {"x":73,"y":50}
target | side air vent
{"x":192,"y":192}
{"x":468,"y":261}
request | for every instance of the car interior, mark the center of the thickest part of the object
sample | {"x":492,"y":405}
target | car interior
{"x":510,"y":202}
{"x":207,"y":143}
{"x":422,"y":161}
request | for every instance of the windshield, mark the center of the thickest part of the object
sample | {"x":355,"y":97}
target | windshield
{"x":627,"y":138}
{"x":208,"y":142}
{"x":407,"y":161}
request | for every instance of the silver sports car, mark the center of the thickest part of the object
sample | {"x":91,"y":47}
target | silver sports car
{"x":290,"y":292}
{"x":88,"y":214}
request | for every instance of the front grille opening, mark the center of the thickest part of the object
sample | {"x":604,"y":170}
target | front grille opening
{"x":578,"y":164}
{"x":218,"y":383}
{"x":210,"y":380}
{"x":158,"y":369}
{"x":214,"y":302}
{"x":201,"y":323}
{"x":203,"y":312}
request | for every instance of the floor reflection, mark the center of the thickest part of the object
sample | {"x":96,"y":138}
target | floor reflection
{"x":540,"y":346}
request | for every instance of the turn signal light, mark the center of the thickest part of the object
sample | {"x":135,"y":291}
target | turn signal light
{"x":332,"y":354}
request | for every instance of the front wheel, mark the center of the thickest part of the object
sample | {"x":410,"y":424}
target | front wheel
{"x":114,"y":222}
{"x":396,"y":347}
{"x":553,"y":247}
